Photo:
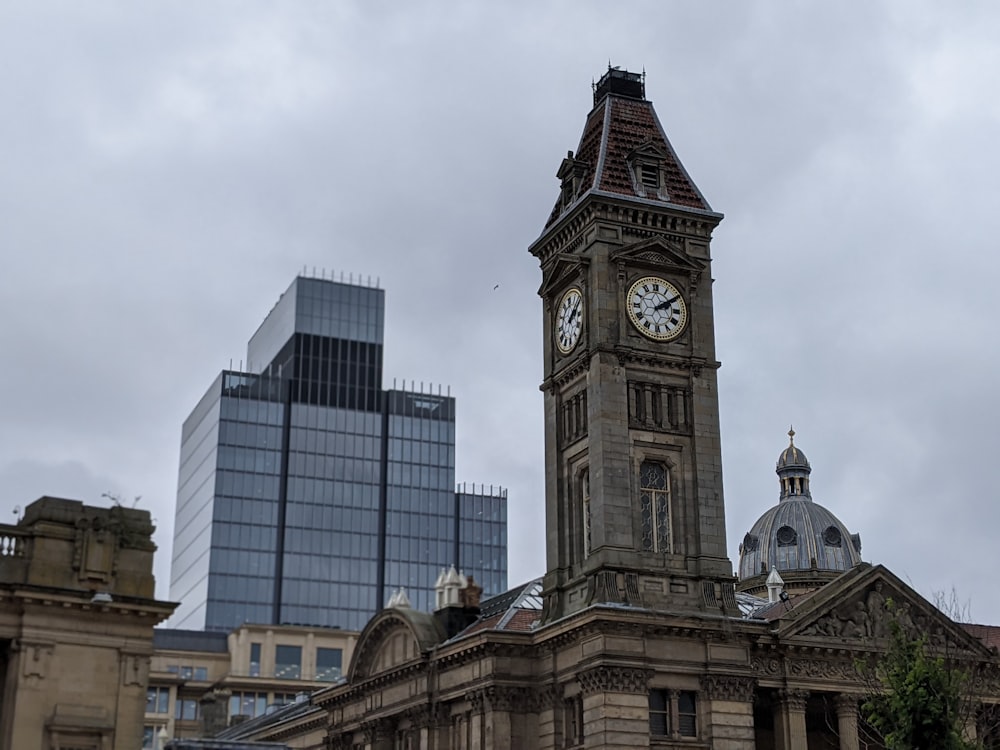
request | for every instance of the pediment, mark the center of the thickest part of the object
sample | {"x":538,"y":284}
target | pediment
{"x":556,"y":274}
{"x":857,"y":608}
{"x":648,"y":150}
{"x":657,"y":253}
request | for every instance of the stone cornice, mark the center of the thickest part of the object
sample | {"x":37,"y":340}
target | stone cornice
{"x":632,"y":214}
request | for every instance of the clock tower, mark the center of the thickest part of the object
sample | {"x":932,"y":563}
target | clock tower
{"x":633,"y":496}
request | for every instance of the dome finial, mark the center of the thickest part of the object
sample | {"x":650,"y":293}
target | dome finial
{"x":791,"y":435}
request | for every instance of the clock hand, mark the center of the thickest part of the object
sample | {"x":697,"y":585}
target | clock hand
{"x":666,"y":303}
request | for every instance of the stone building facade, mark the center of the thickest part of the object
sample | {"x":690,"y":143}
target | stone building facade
{"x":636,"y":635}
{"x":77,"y":611}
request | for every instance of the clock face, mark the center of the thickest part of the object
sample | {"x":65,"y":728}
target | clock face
{"x":656,"y":308}
{"x":569,"y":320}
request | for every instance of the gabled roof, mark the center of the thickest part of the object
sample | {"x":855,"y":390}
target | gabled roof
{"x":617,"y":128}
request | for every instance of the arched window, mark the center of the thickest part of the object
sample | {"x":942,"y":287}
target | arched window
{"x":654,"y":506}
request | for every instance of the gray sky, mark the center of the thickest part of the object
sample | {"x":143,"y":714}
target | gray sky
{"x":166,"y":168}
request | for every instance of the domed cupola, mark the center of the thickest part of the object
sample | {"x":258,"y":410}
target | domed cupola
{"x":799,"y":538}
{"x":793,"y":471}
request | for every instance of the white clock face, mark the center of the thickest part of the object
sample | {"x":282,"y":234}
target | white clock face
{"x":569,"y":320}
{"x":656,"y":308}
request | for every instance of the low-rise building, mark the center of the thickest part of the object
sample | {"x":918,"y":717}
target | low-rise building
{"x":201,"y":682}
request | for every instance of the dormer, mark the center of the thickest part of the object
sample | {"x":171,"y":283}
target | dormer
{"x":571,"y":175}
{"x":646,"y":167}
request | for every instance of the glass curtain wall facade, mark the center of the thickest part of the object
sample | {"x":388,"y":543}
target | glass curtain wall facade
{"x":481,"y":539}
{"x":306,"y":493}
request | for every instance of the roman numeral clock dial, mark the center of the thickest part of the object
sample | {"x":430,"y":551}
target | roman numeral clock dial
{"x":656,"y":308}
{"x":569,"y":320}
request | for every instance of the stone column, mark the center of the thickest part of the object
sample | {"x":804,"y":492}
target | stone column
{"x":727,"y":717}
{"x":790,"y":721}
{"x":847,"y":721}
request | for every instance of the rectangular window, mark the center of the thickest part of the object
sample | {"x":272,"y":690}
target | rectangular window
{"x":573,"y":721}
{"x":659,"y":713}
{"x":148,"y":733}
{"x":247,"y":704}
{"x":673,"y":713}
{"x":187,"y":673}
{"x":288,"y":662}
{"x":157,"y":700}
{"x":649,"y":175}
{"x":687,"y":716}
{"x":186,"y":709}
{"x":654,"y":507}
{"x":329,"y":664}
{"x":201,"y":673}
{"x":254,"y":660}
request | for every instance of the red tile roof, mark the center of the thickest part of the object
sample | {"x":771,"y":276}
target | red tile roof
{"x":614,"y":129}
{"x":988,"y":634}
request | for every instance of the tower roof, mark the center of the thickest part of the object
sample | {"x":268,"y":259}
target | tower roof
{"x":621,"y":128}
{"x":792,"y":458}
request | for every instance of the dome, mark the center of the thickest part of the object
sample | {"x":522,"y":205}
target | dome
{"x":793,"y":457}
{"x":806,"y":543}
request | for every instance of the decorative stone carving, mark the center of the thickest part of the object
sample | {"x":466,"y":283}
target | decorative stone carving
{"x":35,"y":659}
{"x":822,"y":669}
{"x":728,"y":687}
{"x":378,"y":729}
{"x":794,"y":700}
{"x":614,"y":680}
{"x":865,"y":617}
{"x":136,"y":671}
{"x":766,"y":665}
{"x":846,"y":704}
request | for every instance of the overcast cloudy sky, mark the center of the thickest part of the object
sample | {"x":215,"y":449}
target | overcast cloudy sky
{"x":166,"y":168}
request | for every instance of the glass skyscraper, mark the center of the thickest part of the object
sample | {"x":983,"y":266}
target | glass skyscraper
{"x":307,"y":493}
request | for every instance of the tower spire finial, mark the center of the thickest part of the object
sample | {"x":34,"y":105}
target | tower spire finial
{"x":791,"y":435}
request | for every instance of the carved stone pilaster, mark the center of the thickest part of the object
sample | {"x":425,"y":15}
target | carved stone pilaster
{"x":439,"y":715}
{"x":794,"y":700}
{"x":548,"y":697}
{"x":728,"y":687}
{"x":477,"y":699}
{"x":614,"y":680}
{"x":378,"y":729}
{"x":846,"y":703}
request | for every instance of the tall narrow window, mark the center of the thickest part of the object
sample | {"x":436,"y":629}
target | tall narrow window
{"x":254,"y":660}
{"x":654,"y":505}
{"x":687,"y":715}
{"x":659,"y":713}
{"x":649,"y":175}
{"x":585,"y":509}
{"x":573,"y":721}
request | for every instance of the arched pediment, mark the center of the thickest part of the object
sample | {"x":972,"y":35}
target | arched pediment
{"x":392,"y":638}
